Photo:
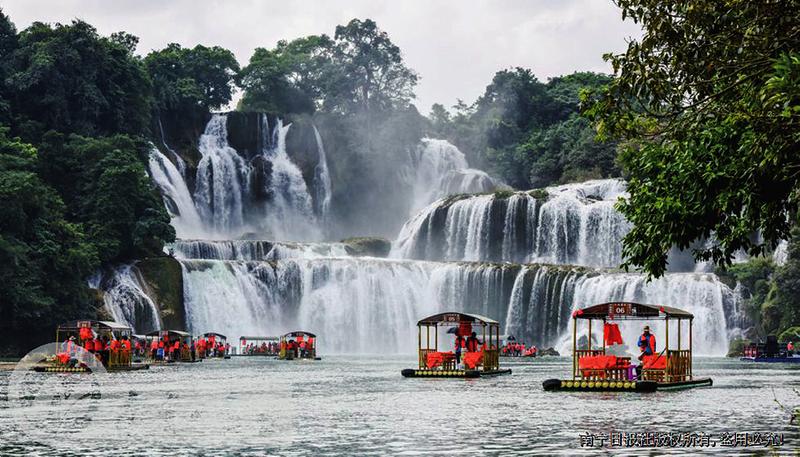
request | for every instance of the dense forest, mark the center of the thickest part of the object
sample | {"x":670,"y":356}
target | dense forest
{"x":78,"y":110}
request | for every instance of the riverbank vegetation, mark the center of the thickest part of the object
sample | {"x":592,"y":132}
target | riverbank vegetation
{"x":706,"y":106}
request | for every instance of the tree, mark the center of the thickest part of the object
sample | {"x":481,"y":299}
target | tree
{"x":8,"y":43}
{"x":187,"y":80}
{"x":707,"y":104}
{"x":70,"y":79}
{"x":105,"y":186}
{"x":44,"y":259}
{"x":287,"y":79}
{"x":367,"y":71}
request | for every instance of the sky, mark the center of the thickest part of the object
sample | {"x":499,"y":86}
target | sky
{"x":456,"y":46}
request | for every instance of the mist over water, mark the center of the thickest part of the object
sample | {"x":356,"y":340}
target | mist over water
{"x":550,"y":252}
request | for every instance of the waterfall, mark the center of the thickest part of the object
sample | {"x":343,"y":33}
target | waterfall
{"x":126,"y":300}
{"x":570,"y":224}
{"x":222,"y":180}
{"x":439,"y":169}
{"x":358,"y":304}
{"x":322,"y":179}
{"x":253,"y":250}
{"x":287,"y":212}
{"x":177,"y":198}
{"x":178,"y":159}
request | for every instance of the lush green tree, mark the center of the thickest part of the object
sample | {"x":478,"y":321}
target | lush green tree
{"x":707,"y":104}
{"x":529,"y":133}
{"x":287,"y":79}
{"x":187,"y":80}
{"x":70,"y":79}
{"x":44,"y":259}
{"x":781,"y":310}
{"x":8,"y":43}
{"x":105,"y":186}
{"x":368,"y":72}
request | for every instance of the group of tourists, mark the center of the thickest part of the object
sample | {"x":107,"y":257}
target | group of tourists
{"x":106,"y":348}
{"x":299,"y":347}
{"x":164,"y":349}
{"x":266,"y":348}
{"x":515,"y":349}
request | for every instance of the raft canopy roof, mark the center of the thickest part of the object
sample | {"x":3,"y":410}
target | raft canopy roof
{"x":299,"y":333}
{"x":179,"y":333}
{"x":103,"y":325}
{"x":454,"y":318}
{"x":630,"y":311}
{"x":218,"y":335}
{"x":259,"y":338}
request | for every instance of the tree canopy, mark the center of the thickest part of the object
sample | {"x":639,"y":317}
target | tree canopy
{"x":359,"y":70}
{"x":191,"y":79}
{"x":707,"y":105}
{"x":70,"y":79}
{"x":530,"y":133}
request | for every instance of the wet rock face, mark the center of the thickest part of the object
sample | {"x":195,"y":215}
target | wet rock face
{"x":164,"y":279}
{"x":260,"y":179}
{"x":367,"y":247}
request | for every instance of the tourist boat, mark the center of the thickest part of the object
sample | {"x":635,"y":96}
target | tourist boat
{"x":216,"y":338}
{"x":593,"y":370}
{"x":71,"y":338}
{"x":436,"y":364}
{"x":769,"y":352}
{"x":170,"y":336}
{"x":265,"y":346}
{"x":294,"y":339}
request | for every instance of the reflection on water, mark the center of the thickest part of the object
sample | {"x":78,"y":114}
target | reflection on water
{"x":362,"y":406}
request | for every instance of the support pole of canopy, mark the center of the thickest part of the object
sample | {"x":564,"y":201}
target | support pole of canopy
{"x":427,"y":337}
{"x":691,"y":376}
{"x":604,"y":336}
{"x":574,"y":346}
{"x":589,"y":343}
{"x":666,"y":349}
{"x":436,"y":338}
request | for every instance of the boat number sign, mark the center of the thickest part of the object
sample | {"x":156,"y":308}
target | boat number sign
{"x":621,"y":309}
{"x":84,"y":324}
{"x":451,"y":317}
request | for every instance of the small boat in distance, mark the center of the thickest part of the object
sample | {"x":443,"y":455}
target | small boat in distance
{"x":265,"y":346}
{"x":594,"y":370}
{"x":298,"y":345}
{"x":770,"y":351}
{"x":480,"y":358}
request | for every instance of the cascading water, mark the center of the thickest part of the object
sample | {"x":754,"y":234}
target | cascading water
{"x":439,"y":169}
{"x":571,"y":224}
{"x":287,"y":213}
{"x":253,"y":250}
{"x":177,"y":198}
{"x":358,"y":304}
{"x":222,"y":180}
{"x":126,"y":300}
{"x":322,"y":179}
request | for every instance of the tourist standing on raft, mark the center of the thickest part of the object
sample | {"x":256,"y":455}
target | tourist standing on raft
{"x":473,"y":343}
{"x":460,"y":344}
{"x":647,"y":343}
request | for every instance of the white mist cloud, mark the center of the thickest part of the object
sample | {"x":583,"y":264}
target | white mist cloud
{"x":455,"y":46}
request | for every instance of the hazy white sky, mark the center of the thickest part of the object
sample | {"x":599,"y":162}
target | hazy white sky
{"x":455,"y":45}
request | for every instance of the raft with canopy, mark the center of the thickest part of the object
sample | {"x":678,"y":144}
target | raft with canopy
{"x":111,"y":349}
{"x":298,"y":345}
{"x":434,"y":363}
{"x":266,"y":346}
{"x":215,"y":339}
{"x":595,"y":370}
{"x":170,"y":337}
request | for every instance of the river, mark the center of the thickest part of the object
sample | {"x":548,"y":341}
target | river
{"x":360,"y":405}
